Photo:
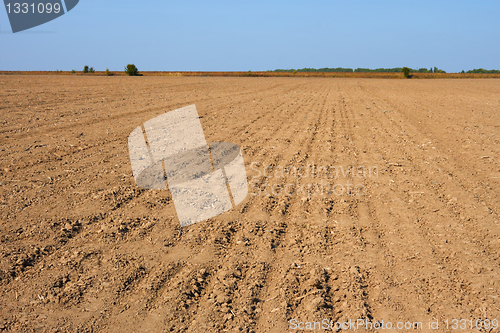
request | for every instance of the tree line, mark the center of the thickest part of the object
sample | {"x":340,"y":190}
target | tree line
{"x":484,"y":71}
{"x":382,"y":70}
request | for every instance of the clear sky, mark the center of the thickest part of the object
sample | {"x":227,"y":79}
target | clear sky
{"x":242,"y":35}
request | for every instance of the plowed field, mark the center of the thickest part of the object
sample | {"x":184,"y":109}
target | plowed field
{"x":368,"y":199}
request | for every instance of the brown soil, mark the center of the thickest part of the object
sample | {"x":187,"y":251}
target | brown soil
{"x":83,"y":249}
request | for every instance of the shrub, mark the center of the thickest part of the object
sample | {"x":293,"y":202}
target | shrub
{"x":86,"y":69}
{"x":91,"y":70}
{"x":131,"y":70}
{"x":108,"y":72}
{"x":73,"y":71}
{"x":406,"y":72}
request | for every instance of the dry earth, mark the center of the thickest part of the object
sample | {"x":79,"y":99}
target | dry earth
{"x":83,"y":249}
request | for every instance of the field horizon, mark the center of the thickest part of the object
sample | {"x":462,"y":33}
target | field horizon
{"x":375,"y":75}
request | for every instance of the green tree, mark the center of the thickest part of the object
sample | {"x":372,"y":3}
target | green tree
{"x":131,"y":70}
{"x":91,"y":70}
{"x":86,"y":69}
{"x":406,"y":72}
{"x":108,"y":72}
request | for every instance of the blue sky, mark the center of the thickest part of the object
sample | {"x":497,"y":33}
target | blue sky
{"x":242,"y":35}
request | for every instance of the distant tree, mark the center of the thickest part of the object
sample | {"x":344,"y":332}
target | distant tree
{"x":406,"y":72}
{"x":73,"y":71}
{"x":86,"y":69}
{"x":437,"y":70}
{"x":91,"y":70}
{"x":108,"y":72}
{"x":131,"y":70}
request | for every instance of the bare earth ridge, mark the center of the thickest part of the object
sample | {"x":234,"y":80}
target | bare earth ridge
{"x":83,"y":249}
